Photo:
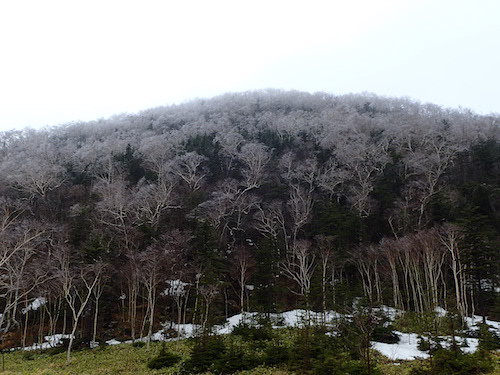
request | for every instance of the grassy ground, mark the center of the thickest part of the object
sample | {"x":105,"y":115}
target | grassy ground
{"x":389,"y":368}
{"x":119,"y":359}
{"x":126,"y":359}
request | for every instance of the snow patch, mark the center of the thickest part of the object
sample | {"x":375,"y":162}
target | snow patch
{"x":35,"y":304}
{"x":476,"y":319}
{"x":113,"y":342}
{"x":440,"y":312}
{"x":405,"y":349}
{"x":49,"y":342}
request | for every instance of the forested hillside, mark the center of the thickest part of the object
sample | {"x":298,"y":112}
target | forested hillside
{"x":260,"y":201}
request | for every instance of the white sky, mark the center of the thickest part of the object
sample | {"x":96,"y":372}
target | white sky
{"x":70,"y":60}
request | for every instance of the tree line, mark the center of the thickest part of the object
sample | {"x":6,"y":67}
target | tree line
{"x":260,"y":201}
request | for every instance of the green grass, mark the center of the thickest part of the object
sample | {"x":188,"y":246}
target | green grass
{"x":118,"y":359}
{"x":128,"y":360}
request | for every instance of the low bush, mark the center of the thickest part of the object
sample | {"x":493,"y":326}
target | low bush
{"x":56,"y":350}
{"x":234,"y":359}
{"x":276,"y":353}
{"x":430,"y":345}
{"x":423,"y":345}
{"x":341,"y":364}
{"x":455,"y":362}
{"x":212,"y":354}
{"x":78,"y":344}
{"x":205,"y":352}
{"x":254,"y":333}
{"x":488,"y":339}
{"x":163,"y":359}
{"x":417,"y":322}
{"x":28,"y":356}
{"x":384,"y":333}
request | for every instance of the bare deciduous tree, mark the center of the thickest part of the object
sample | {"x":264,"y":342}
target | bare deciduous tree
{"x":19,"y":275}
{"x":362,"y":161}
{"x":77,"y":282}
{"x":97,"y":294}
{"x":35,"y":166}
{"x":450,"y":237}
{"x":150,"y":272}
{"x":326,"y":257}
{"x":230,"y":143}
{"x":188,"y":168}
{"x":368,"y":261}
{"x":255,"y":157}
{"x":426,"y":159}
{"x":390,"y":250}
{"x":300,"y":205}
{"x":244,"y":262}
{"x":270,"y":221}
{"x":299,"y":266}
{"x":152,"y":200}
{"x":331,"y":178}
{"x":208,"y":292}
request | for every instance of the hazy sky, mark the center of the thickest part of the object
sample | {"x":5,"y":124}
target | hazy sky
{"x":70,"y":60}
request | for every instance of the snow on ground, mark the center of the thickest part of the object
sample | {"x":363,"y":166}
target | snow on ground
{"x":475,"y":319}
{"x":293,"y":318}
{"x":405,"y":349}
{"x":440,"y":312}
{"x":472,"y":344}
{"x":49,"y":342}
{"x":185,"y":330}
{"x":113,"y":342}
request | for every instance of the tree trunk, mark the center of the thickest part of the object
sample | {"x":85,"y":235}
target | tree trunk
{"x":71,"y":340}
{"x":96,"y":315}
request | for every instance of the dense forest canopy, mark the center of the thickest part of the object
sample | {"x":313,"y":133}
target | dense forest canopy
{"x":256,"y":201}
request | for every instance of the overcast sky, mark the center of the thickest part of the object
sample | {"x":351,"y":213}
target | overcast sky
{"x":68,"y":60}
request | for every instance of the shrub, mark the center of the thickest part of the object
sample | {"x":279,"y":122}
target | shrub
{"x":232,"y":360}
{"x":56,"y":350}
{"x":341,"y":364}
{"x":276,"y":353}
{"x":430,"y":345}
{"x":212,"y":354}
{"x":28,"y":356}
{"x":417,"y":322}
{"x":249,"y":332}
{"x":488,"y":340}
{"x":138,"y":344}
{"x":267,"y":320}
{"x":453,"y":362}
{"x":206,"y":351}
{"x":163,"y":359}
{"x":384,"y":333}
{"x":423,"y":344}
{"x":78,"y":344}
{"x":314,"y":352}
